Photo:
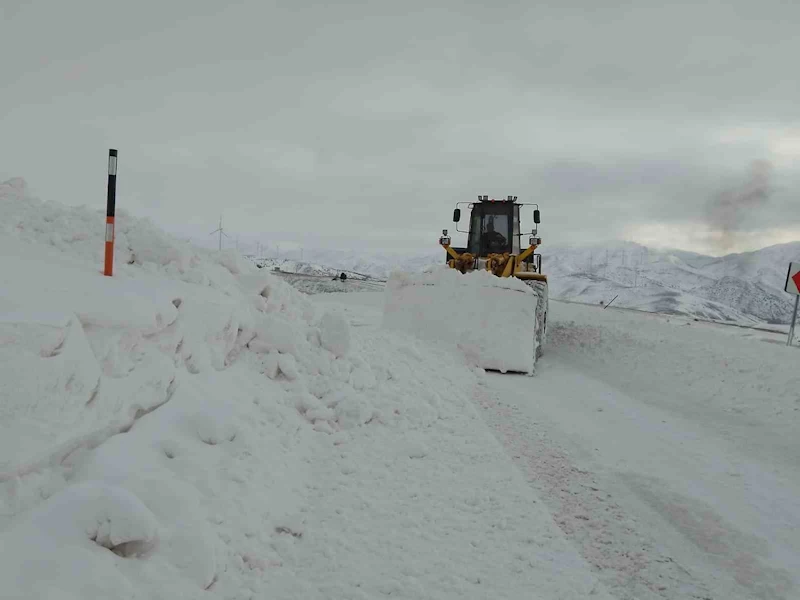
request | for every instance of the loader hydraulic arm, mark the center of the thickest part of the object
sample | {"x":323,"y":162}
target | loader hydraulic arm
{"x":461,"y":262}
{"x":451,"y":252}
{"x":528,"y":251}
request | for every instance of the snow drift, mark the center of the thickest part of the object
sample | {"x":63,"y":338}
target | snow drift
{"x":491,"y":320}
{"x":194,"y":426}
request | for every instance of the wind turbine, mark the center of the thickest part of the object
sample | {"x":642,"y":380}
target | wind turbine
{"x":220,"y":231}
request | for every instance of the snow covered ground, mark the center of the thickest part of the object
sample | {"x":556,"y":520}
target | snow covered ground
{"x":665,"y":448}
{"x":195,"y":427}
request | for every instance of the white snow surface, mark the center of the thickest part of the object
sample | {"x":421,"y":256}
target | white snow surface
{"x":195,"y":427}
{"x":491,"y":320}
{"x":665,"y":448}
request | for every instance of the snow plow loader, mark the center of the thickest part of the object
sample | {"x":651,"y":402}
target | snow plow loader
{"x":489,"y":298}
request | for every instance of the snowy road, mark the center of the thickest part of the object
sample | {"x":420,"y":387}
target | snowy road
{"x":665,"y":449}
{"x":691,"y":429}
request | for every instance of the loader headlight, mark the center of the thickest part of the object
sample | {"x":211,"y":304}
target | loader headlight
{"x":535,"y":241}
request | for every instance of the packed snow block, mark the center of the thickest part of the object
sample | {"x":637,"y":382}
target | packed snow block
{"x":491,"y":320}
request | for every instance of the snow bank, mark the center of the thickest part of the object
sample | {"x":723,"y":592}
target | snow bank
{"x":491,"y":320}
{"x":158,"y":382}
{"x":194,"y":426}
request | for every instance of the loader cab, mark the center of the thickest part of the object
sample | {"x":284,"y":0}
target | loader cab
{"x":493,"y":228}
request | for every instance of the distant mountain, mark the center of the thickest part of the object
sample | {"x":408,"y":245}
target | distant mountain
{"x":738,"y":287}
{"x":752,"y":299}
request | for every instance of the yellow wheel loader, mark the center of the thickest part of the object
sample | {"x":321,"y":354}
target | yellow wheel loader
{"x":493,"y":304}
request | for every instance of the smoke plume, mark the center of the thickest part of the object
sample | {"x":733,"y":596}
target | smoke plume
{"x":729,"y":208}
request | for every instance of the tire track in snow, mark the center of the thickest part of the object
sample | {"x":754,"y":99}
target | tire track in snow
{"x":632,"y":566}
{"x":704,"y":428}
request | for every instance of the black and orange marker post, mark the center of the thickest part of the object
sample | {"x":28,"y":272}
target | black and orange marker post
{"x":111,"y":203}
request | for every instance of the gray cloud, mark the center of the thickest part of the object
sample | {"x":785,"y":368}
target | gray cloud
{"x":356,"y":123}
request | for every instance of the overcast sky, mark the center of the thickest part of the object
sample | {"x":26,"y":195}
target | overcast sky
{"x":352,"y":123}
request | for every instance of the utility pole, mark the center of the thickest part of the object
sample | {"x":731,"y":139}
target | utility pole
{"x":794,"y":320}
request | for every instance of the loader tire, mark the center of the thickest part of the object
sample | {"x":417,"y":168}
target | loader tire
{"x":540,"y":288}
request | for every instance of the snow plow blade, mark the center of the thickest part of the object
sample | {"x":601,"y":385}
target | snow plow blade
{"x":495,"y":322}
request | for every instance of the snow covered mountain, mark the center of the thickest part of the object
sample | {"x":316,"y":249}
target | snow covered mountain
{"x":747,"y":286}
